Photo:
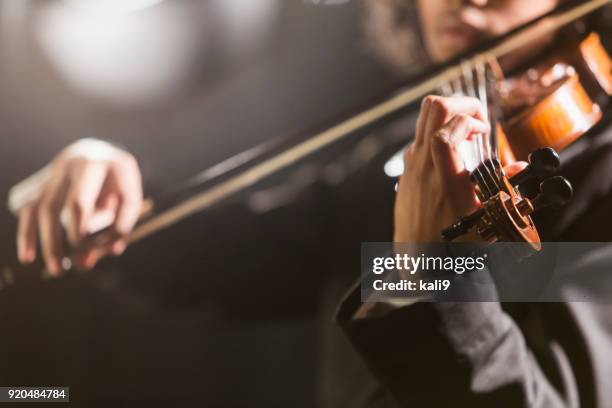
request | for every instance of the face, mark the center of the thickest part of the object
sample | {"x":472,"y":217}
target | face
{"x":452,"y":26}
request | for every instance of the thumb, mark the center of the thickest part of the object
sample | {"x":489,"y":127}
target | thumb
{"x":515,"y":168}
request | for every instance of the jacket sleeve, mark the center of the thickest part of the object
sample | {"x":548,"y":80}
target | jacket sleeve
{"x":450,"y":354}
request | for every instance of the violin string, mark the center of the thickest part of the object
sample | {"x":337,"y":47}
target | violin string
{"x":449,"y":89}
{"x":480,"y":169}
{"x":490,"y":109}
{"x":457,"y":89}
{"x":482,"y":92}
{"x":468,"y":75}
{"x":445,"y":89}
{"x":488,"y":66}
{"x":481,"y":72}
{"x":497,"y":76}
{"x":457,"y":86}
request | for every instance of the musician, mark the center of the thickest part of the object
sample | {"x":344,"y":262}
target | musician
{"x":477,"y":354}
{"x":82,"y":181}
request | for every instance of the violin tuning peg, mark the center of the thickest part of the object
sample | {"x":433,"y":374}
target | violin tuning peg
{"x":543,"y":163}
{"x":555,"y":192}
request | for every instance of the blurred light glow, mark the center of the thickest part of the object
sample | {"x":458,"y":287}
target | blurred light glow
{"x":106,"y":50}
{"x":126,"y":58}
{"x":106,"y":7}
{"x":12,"y":8}
{"x":245,"y":22}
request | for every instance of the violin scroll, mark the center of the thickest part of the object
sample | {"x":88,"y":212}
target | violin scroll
{"x":506,"y":216}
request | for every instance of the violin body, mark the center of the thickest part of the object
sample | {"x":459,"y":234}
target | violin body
{"x":556,"y":121}
{"x":555,"y":100}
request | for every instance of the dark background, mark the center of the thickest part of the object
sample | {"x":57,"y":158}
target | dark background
{"x":228,"y":308}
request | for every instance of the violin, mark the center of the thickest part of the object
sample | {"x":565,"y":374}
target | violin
{"x":542,"y":111}
{"x":546,"y":107}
